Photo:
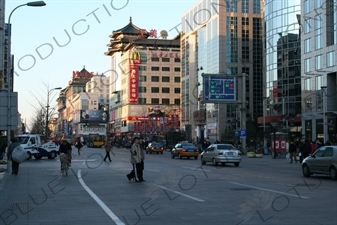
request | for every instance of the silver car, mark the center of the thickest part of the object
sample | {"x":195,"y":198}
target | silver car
{"x":221,"y":153}
{"x":323,"y":161}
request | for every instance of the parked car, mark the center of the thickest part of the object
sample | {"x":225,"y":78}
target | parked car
{"x":154,"y":147}
{"x":322,"y":161}
{"x":221,"y":153}
{"x":184,"y":150}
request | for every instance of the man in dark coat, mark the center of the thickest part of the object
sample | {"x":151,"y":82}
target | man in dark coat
{"x":305,"y":149}
{"x":15,"y":166}
{"x":292,"y":151}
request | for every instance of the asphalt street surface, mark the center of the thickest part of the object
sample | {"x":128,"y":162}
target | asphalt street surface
{"x":176,"y":191}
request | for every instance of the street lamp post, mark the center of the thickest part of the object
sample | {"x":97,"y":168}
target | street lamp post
{"x":47,"y":113}
{"x":324,"y":111}
{"x":9,"y":62}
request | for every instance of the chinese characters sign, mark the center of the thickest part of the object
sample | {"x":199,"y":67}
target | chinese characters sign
{"x":134,"y":61}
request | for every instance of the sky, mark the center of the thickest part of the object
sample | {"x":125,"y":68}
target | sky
{"x":51,"y":42}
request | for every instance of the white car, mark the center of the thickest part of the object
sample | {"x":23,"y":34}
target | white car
{"x":221,"y":153}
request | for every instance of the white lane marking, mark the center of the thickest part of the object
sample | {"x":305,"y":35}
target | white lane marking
{"x":264,"y":189}
{"x":177,"y":192}
{"x":99,"y":201}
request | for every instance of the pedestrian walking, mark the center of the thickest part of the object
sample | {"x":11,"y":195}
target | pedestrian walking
{"x":107,"y":146}
{"x":135,"y":161}
{"x":305,"y":149}
{"x":79,"y":145}
{"x":292,"y":151}
{"x":15,"y":166}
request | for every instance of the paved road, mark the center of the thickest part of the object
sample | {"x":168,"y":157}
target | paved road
{"x":176,"y":191}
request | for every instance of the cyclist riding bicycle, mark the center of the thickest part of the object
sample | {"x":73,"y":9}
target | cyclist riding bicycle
{"x":65,"y":148}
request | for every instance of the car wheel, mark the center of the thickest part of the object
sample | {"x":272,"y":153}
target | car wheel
{"x":180,"y":157}
{"x":52,"y":155}
{"x":223,"y":164}
{"x":172,"y":155}
{"x":236,"y":164}
{"x":214,"y":162}
{"x":203,"y":162}
{"x":195,"y":157}
{"x":306,"y":170}
{"x":333,"y":173}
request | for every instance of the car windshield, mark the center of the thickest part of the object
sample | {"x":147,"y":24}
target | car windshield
{"x":23,"y":140}
{"x":225,"y":147}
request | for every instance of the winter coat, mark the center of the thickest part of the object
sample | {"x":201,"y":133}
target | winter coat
{"x":292,"y":147}
{"x":136,"y":156}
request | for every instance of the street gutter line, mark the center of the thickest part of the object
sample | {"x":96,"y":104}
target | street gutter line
{"x":264,"y":189}
{"x":99,"y":201}
{"x":177,"y":192}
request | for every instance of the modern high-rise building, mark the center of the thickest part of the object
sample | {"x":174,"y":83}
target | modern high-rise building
{"x":282,"y":63}
{"x":221,"y":38}
{"x":319,"y":70}
{"x":144,"y":82}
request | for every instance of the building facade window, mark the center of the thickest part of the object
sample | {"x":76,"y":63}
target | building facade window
{"x":142,"y":89}
{"x":177,"y":79}
{"x":165,"y":69}
{"x":154,"y":78}
{"x":307,"y":68}
{"x":154,"y":68}
{"x":177,"y":101}
{"x":231,"y":39}
{"x":319,"y":60}
{"x":330,"y":59}
{"x":176,"y":69}
{"x":142,"y":100}
{"x":307,"y":45}
{"x":165,"y":90}
{"x":165,"y":59}
{"x":165,"y":79}
{"x":256,"y":6}
{"x":177,"y":60}
{"x":318,"y":31}
{"x":165,"y":101}
{"x":155,"y":59}
{"x":154,"y":90}
{"x":142,"y":78}
{"x":154,"y":100}
{"x":307,"y":6}
{"x":176,"y":90}
{"x":142,"y":68}
{"x":318,"y":4}
{"x":232,"y":6}
{"x":245,"y":6}
{"x":307,"y":26}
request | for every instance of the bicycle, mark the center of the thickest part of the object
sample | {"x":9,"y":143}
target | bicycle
{"x":64,"y":164}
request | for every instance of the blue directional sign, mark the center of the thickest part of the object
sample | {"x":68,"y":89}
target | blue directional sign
{"x":243,"y":133}
{"x":219,"y":88}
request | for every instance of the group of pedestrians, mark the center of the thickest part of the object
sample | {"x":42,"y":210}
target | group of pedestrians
{"x":305,"y":148}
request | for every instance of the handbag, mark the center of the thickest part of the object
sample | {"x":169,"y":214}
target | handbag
{"x":19,"y":154}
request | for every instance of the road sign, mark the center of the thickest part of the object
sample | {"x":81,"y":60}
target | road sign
{"x":219,"y":88}
{"x":243,"y":134}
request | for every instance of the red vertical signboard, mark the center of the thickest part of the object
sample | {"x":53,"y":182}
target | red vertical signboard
{"x":134,"y":61}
